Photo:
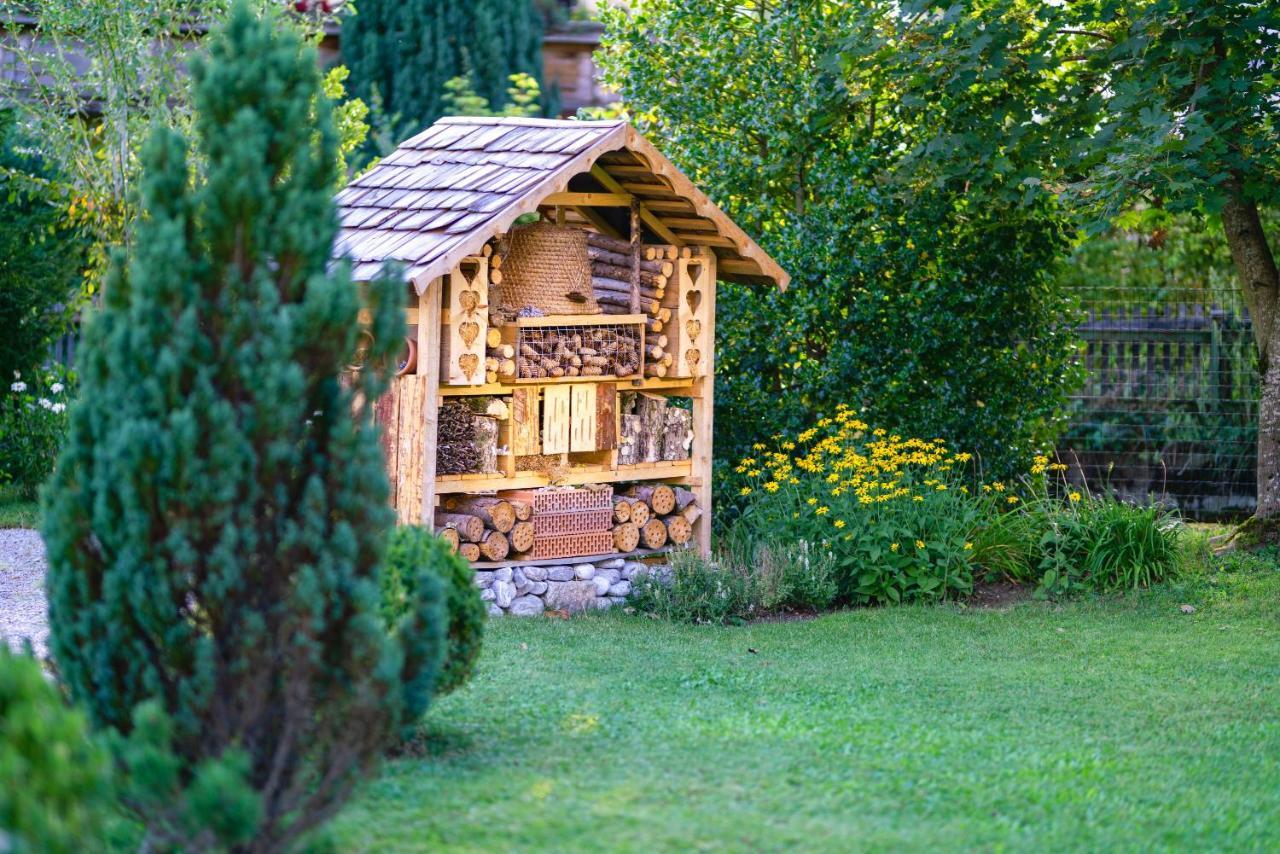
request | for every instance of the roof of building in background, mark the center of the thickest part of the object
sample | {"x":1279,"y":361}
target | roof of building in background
{"x":443,"y":194}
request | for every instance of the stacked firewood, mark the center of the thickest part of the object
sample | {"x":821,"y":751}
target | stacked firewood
{"x":500,"y":359}
{"x":485,"y":526}
{"x":613,"y":264}
{"x":586,"y":351}
{"x":653,"y":430}
{"x":651,"y":515}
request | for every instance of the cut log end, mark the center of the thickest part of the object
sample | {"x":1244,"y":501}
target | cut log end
{"x":654,"y":534}
{"x":626,"y":537}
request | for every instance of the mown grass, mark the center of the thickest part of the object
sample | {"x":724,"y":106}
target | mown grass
{"x":1114,"y":722}
{"x":16,"y":511}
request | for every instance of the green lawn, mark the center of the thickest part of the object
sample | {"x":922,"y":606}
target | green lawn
{"x":1118,"y":723}
{"x":17,"y":512}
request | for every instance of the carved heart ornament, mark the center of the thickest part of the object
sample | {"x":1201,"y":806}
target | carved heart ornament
{"x":468,"y":362}
{"x":692,"y":328}
{"x":468,"y":331}
{"x":469,"y":300}
{"x":694,"y":299}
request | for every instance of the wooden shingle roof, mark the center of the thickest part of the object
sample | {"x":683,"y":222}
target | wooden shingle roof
{"x":444,"y":193}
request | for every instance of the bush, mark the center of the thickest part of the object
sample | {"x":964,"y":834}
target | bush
{"x":218,"y":516}
{"x":33,"y":425}
{"x":412,"y":552}
{"x":695,"y":591}
{"x":1106,"y":545}
{"x":57,"y":786}
{"x":892,"y":513}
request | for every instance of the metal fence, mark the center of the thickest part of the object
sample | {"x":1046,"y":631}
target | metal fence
{"x":1168,"y":408}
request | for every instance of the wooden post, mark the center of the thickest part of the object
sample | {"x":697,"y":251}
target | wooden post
{"x":704,"y":412}
{"x":635,"y":257}
{"x":429,"y":365}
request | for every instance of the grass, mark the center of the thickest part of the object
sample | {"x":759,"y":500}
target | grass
{"x":1102,"y":723}
{"x":16,"y":511}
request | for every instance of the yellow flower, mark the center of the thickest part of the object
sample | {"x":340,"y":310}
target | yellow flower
{"x":919,"y":544}
{"x":942,"y":487}
{"x":917,"y":498}
{"x":788,"y":446}
{"x":1012,"y":499}
{"x":839,"y":523}
{"x":794,"y":481}
{"x":812,"y":501}
{"x":771,"y":486}
{"x":998,"y":486}
{"x":893,"y":548}
{"x":758,"y":446}
{"x":968,"y":547}
{"x":746,"y":490}
{"x":823,"y":510}
{"x":1075,"y":496}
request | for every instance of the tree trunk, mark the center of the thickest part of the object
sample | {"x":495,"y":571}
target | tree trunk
{"x":1260,"y":283}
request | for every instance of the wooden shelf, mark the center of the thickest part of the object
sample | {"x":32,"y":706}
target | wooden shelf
{"x":677,"y":386}
{"x":569,"y":561}
{"x":456,"y":483}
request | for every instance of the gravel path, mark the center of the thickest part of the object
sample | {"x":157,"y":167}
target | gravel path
{"x":22,"y":604}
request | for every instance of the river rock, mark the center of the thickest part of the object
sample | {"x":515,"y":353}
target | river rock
{"x":502,"y":573}
{"x":621,"y":588}
{"x":495,"y":611}
{"x":536,"y":573}
{"x":560,"y":573}
{"x":602,"y":585}
{"x":537,"y":588}
{"x":585,"y":571}
{"x":484,"y":578}
{"x":612,"y":563}
{"x":503,"y":593}
{"x":487,"y":595}
{"x":526,"y":606}
{"x":611,"y":574}
{"x":571,"y":596}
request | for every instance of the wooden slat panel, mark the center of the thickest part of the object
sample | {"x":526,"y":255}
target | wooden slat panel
{"x":555,"y":419}
{"x":582,"y":417}
{"x":606,"y":416}
{"x":468,"y":323}
{"x":524,"y":422}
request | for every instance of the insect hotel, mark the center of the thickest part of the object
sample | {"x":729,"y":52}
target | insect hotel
{"x":552,"y":410}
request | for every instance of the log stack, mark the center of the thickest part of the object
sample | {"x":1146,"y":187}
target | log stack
{"x":476,"y":539}
{"x":661,"y":514}
{"x":653,"y":430}
{"x":613,"y":264}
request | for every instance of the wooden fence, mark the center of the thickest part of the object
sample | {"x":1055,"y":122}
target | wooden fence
{"x":1168,"y":407}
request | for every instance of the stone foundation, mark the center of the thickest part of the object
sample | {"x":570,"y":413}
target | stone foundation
{"x":528,"y":591}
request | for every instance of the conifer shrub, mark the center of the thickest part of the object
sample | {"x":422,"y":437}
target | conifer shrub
{"x":414,"y":553}
{"x":56,"y":778}
{"x":218,"y":516}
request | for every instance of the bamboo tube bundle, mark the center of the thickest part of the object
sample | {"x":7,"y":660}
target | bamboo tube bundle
{"x":450,"y":536}
{"x":654,"y":534}
{"x":468,"y":527}
{"x":521,"y":537}
{"x":626,"y":536}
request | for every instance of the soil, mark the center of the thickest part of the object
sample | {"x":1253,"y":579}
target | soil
{"x":997,"y":595}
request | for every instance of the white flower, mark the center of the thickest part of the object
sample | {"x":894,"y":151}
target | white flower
{"x":18,"y":386}
{"x":17,"y":375}
{"x":58,"y":407}
{"x":56,"y":388}
{"x":46,"y":403}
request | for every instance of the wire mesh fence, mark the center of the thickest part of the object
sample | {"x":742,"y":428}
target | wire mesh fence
{"x":1168,"y":409}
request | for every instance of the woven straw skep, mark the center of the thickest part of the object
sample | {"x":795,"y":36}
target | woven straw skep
{"x":546,"y":266}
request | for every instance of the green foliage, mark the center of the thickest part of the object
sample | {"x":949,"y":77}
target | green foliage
{"x":33,"y":424}
{"x":460,"y":98}
{"x":40,"y":258}
{"x":414,"y":553}
{"x":57,"y":779}
{"x":128,"y":54}
{"x":212,"y":805}
{"x":934,"y":302}
{"x":402,"y":53}
{"x":217,"y":518}
{"x":695,"y":591}
{"x":1106,"y":545}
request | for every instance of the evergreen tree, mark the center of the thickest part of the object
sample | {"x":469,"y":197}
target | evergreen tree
{"x":402,"y":52}
{"x":217,"y":518}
